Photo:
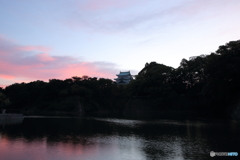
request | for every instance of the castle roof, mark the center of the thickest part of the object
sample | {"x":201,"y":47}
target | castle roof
{"x":124,"y":73}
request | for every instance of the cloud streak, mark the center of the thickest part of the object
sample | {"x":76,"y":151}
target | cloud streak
{"x":96,"y":5}
{"x":110,"y":16}
{"x":34,"y":63}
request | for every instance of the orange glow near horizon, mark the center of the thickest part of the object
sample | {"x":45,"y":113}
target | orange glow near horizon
{"x":17,"y":66}
{"x":6,"y":76}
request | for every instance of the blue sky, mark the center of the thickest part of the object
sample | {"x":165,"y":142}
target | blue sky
{"x":41,"y":40}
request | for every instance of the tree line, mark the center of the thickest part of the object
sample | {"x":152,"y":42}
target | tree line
{"x":202,"y":83}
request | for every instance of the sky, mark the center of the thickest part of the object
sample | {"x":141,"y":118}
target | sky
{"x":59,"y":39}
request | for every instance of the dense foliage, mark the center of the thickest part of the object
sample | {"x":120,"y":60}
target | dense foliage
{"x":66,"y":95}
{"x":202,"y":83}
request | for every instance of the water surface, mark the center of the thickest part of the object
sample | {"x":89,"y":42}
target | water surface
{"x":45,"y":138}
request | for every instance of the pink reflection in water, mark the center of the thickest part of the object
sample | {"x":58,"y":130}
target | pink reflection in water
{"x":22,"y":149}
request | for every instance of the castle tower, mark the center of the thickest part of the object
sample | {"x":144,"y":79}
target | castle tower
{"x":124,"y":77}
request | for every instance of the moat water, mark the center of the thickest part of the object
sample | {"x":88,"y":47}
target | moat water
{"x":45,"y":138}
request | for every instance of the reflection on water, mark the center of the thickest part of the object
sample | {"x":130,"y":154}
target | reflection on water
{"x":117,"y":139}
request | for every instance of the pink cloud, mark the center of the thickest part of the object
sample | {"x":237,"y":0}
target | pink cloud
{"x":35,"y":48}
{"x":45,"y":57}
{"x":7,"y":76}
{"x":15,"y":63}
